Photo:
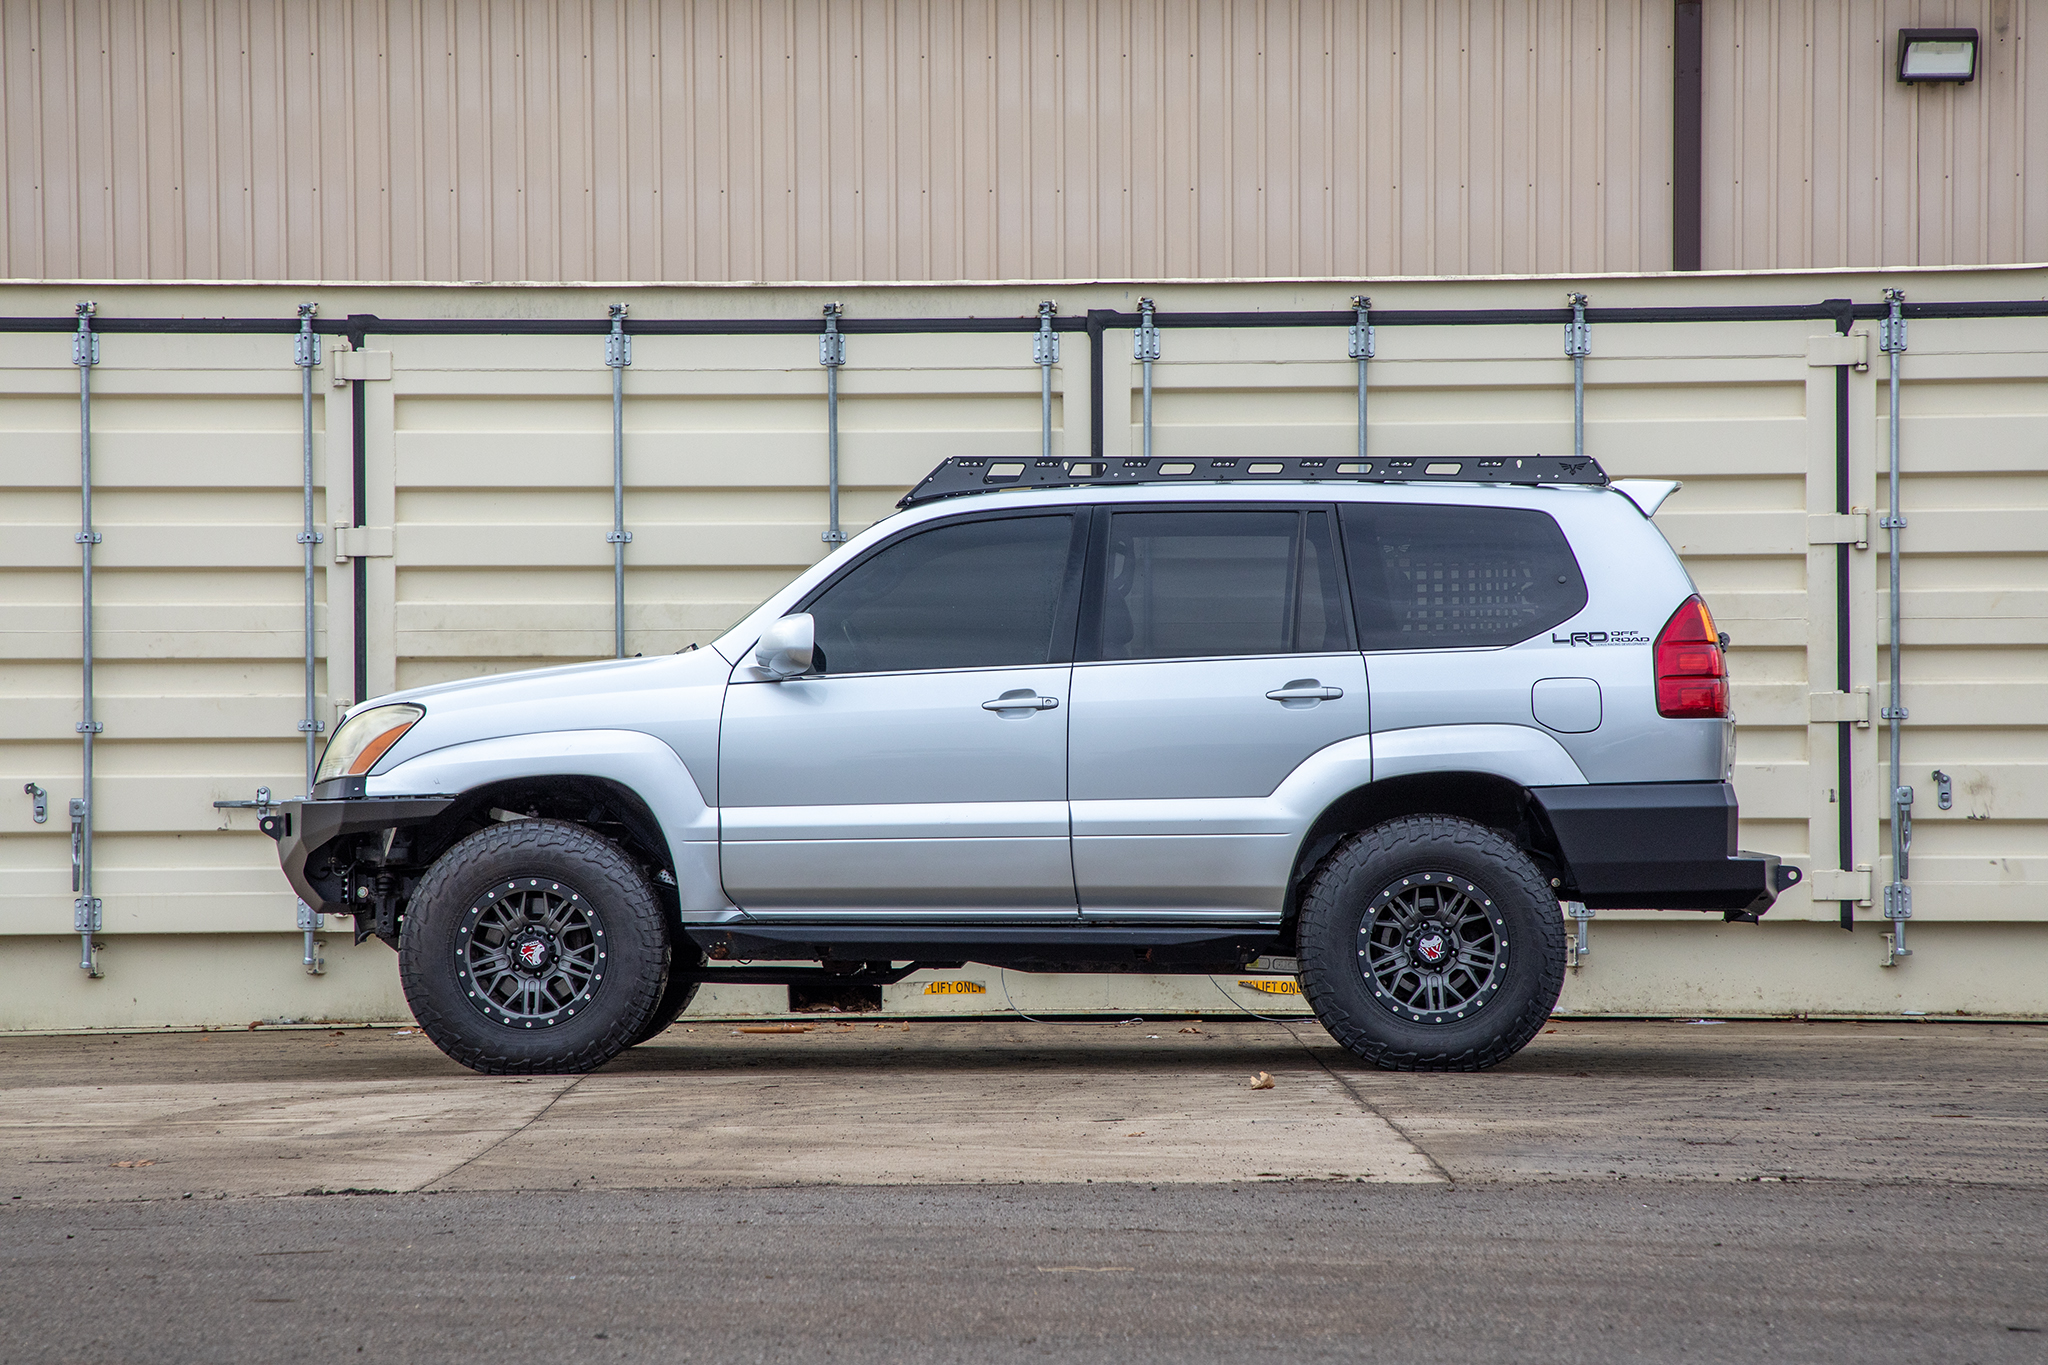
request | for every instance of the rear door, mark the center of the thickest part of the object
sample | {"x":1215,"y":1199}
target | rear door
{"x":1216,"y":655}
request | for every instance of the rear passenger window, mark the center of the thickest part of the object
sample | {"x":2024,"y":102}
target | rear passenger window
{"x":1208,"y":584}
{"x":1445,"y":577}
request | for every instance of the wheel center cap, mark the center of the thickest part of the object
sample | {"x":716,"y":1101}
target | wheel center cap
{"x":533,"y":952}
{"x":1432,"y":948}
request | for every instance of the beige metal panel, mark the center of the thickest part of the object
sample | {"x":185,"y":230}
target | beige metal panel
{"x":504,"y":477}
{"x":1973,"y":430}
{"x":198,"y":619}
{"x":489,"y":456}
{"x":1815,"y":154}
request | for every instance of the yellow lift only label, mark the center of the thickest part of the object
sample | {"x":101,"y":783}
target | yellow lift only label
{"x":1273,"y":987}
{"x":955,"y":988}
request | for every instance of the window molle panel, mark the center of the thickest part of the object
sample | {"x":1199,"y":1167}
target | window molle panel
{"x":1448,"y":577}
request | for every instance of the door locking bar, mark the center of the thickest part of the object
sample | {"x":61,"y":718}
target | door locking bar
{"x":1578,"y":344}
{"x":832,"y":355}
{"x":618,"y":354}
{"x":1362,"y":347}
{"x":85,"y":907}
{"x":261,"y":805}
{"x":1581,"y":947}
{"x":1145,"y":349}
{"x":1045,"y":353}
{"x":85,"y":917}
{"x":1898,"y":896}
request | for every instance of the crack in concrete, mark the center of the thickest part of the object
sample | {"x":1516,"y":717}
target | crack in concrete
{"x":1368,"y":1106}
{"x":474,"y":1157}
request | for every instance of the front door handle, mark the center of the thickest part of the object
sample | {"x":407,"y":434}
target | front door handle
{"x":1023,"y":699}
{"x":1305,"y":689}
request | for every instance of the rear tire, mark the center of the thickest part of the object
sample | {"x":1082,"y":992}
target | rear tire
{"x":1431,"y":944}
{"x":533,"y":947}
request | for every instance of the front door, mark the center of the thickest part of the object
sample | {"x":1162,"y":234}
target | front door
{"x":921,"y":767}
{"x":1216,"y":656}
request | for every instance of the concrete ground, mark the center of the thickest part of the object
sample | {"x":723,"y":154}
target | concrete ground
{"x":1006,"y":1190}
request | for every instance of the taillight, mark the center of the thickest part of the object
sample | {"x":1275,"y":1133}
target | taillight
{"x":1692,"y":677}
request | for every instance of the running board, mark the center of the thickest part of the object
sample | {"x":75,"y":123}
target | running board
{"x":1139,"y":948}
{"x":877,"y":973}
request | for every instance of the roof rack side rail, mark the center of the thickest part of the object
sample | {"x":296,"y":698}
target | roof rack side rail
{"x":963,"y":474}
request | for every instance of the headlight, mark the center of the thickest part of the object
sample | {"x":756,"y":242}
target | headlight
{"x":365,"y":738}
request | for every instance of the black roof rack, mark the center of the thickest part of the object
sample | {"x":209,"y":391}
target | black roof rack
{"x":983,"y":473}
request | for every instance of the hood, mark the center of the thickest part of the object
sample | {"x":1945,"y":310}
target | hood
{"x":559,"y":681}
{"x":674,"y":697}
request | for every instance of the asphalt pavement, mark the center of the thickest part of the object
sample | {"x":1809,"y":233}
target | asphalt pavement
{"x":1621,"y":1191}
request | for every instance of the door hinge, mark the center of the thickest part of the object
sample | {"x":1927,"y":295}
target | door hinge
{"x":1839,"y":884}
{"x":1835,"y":349}
{"x":362,"y":365}
{"x":361,"y":542}
{"x":1837,"y":708}
{"x":1839,"y":528}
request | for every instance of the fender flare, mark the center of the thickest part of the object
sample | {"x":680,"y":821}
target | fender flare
{"x":632,"y":759}
{"x":1326,"y":794}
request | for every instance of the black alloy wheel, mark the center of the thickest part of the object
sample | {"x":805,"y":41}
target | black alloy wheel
{"x":1431,"y":943}
{"x":1434,"y":947}
{"x":531,"y":952}
{"x":534,"y":946}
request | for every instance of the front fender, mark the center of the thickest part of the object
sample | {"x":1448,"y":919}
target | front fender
{"x":636,"y":761}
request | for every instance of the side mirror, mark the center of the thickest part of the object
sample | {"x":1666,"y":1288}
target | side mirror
{"x":785,"y":647}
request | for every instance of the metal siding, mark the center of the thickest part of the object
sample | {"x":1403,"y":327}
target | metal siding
{"x":1822,"y":158}
{"x":991,"y":139}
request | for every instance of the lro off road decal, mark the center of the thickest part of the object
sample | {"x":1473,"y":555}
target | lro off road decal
{"x":1600,"y":637}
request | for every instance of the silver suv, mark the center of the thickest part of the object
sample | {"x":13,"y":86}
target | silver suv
{"x":1152,"y":716}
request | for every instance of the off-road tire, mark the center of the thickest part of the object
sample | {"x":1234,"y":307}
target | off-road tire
{"x":1520,"y":902}
{"x":615,"y":900}
{"x":676,"y":995}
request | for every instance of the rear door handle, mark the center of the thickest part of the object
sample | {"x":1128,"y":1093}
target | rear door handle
{"x":1024,"y":700}
{"x":1305,"y":689}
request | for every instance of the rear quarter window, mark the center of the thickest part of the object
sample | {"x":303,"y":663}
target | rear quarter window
{"x":1431,"y":577}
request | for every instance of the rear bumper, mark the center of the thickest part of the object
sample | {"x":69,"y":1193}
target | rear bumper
{"x":1660,"y":846}
{"x":304,"y":828}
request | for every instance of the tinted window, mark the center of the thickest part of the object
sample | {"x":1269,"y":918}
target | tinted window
{"x":975,"y":594}
{"x":1192,"y":584}
{"x":1440,"y":577}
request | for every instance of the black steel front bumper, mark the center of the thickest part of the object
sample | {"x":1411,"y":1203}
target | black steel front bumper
{"x":304,"y":828}
{"x":1660,"y":846}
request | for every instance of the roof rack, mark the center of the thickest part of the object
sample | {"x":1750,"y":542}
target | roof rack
{"x":964,"y":474}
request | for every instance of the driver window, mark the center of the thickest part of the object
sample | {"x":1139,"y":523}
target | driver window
{"x":973,"y":594}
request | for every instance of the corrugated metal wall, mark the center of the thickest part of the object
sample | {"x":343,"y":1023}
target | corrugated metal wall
{"x":489,"y":459}
{"x":990,"y":139}
{"x":1816,"y":156}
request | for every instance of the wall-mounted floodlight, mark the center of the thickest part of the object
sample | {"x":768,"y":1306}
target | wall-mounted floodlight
{"x":1937,"y":54}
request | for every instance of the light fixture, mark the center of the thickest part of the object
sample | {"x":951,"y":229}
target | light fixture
{"x":1937,"y":54}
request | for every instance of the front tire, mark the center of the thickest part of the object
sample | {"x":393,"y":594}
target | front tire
{"x":1431,"y":944}
{"x":675,"y":997}
{"x":533,"y":947}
